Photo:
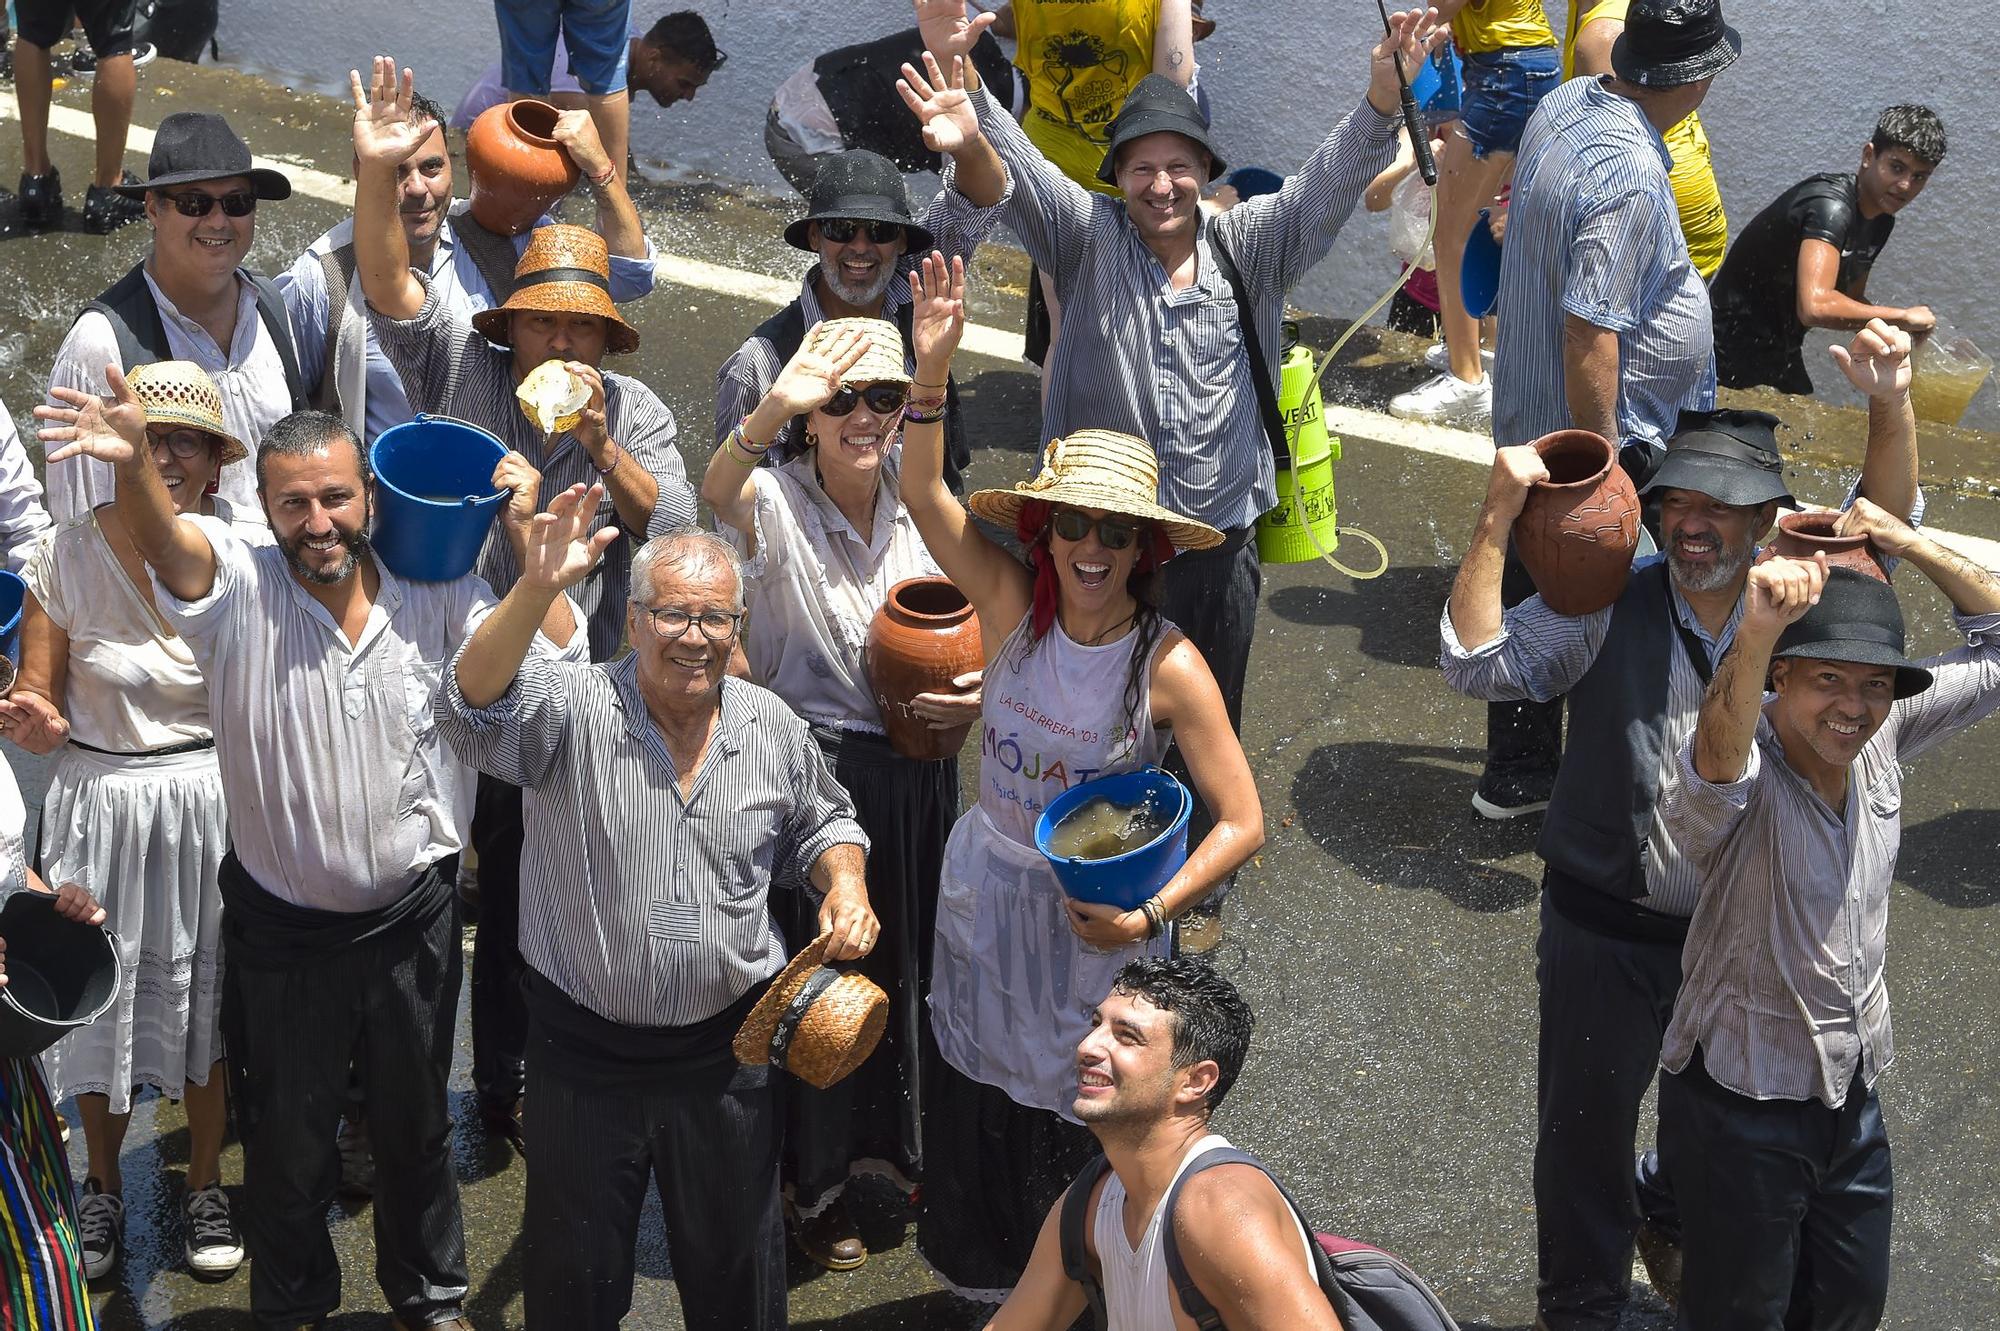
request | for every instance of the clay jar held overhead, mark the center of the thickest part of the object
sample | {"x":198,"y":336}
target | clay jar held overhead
{"x":1577,"y":532}
{"x":1800,"y":535}
{"x":922,"y":638}
{"x":518,"y":169}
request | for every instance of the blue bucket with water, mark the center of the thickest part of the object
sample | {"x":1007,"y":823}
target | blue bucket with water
{"x":1122,"y":880}
{"x":13,"y":599}
{"x":434,"y":496}
{"x":1479,"y":278}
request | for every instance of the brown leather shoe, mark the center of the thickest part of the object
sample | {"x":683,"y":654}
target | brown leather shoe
{"x":1660,"y":1252}
{"x":830,"y":1238}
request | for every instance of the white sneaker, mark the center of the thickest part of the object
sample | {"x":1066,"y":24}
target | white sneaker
{"x":214,"y":1248}
{"x":100,"y":1223}
{"x":1446,"y":399}
{"x":1438,"y":357}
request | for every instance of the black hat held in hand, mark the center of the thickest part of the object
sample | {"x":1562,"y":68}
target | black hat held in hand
{"x":193,"y":146}
{"x":859,"y":186}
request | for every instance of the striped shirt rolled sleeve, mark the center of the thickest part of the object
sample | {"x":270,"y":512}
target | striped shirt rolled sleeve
{"x":1172,"y":366}
{"x":645,"y":907}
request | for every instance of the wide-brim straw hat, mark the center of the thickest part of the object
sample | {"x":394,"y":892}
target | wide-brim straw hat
{"x":815,"y":1022}
{"x":882,"y":363}
{"x":179,"y":392}
{"x":564,"y":270}
{"x":1098,"y":469}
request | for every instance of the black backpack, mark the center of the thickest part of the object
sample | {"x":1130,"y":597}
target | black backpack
{"x":1369,"y":1289}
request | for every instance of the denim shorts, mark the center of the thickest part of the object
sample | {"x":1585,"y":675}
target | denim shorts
{"x":595,"y":32}
{"x":1501,"y":89}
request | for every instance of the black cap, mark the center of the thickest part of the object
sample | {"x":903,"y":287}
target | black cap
{"x":1730,"y":456}
{"x":859,"y":186}
{"x":192,"y":146}
{"x":1857,"y":619}
{"x":1158,"y":105}
{"x":1668,"y":43}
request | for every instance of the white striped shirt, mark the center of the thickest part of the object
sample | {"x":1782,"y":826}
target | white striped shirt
{"x":647,"y":908}
{"x":1593,"y":231}
{"x":1171,"y":366}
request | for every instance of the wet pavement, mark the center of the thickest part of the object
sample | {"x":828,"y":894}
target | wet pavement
{"x":1385,"y":935}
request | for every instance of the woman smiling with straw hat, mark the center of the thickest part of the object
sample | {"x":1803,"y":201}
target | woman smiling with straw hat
{"x":1083,"y":679}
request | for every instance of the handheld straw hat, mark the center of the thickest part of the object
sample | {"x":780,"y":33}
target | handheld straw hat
{"x":179,"y":392}
{"x":564,"y":270}
{"x":1859,"y":620}
{"x":1098,"y":469}
{"x":193,"y":146}
{"x":882,"y":363}
{"x":815,"y":1022}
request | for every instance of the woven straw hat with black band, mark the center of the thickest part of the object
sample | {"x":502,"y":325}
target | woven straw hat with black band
{"x":882,"y":363}
{"x":564,"y":270}
{"x":1098,"y":469}
{"x":815,"y":1022}
{"x":179,"y":392}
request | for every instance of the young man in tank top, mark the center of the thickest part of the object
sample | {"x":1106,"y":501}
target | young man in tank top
{"x":1163,"y":1050}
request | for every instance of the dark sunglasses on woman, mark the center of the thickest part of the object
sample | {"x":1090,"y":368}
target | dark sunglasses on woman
{"x":882,"y":399}
{"x":840,"y":230}
{"x":196,"y":204}
{"x":1112,"y":533}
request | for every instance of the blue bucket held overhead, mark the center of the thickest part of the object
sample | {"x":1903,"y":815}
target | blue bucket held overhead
{"x":434,"y":496}
{"x":13,"y":598}
{"x":1121,"y":880}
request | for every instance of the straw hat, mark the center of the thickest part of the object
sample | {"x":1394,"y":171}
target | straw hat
{"x":882,"y":363}
{"x":1098,"y":469}
{"x":564,"y":270}
{"x":815,"y":1022}
{"x":179,"y":392}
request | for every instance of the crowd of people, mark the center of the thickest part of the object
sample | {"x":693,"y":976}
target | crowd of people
{"x":650,"y":749}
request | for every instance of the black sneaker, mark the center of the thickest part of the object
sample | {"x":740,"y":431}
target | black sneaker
{"x":1510,"y":794}
{"x":83,"y":62}
{"x":41,"y":200}
{"x":105,"y":210}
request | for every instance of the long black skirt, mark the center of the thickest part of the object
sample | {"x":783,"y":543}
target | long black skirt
{"x":872,"y":1119}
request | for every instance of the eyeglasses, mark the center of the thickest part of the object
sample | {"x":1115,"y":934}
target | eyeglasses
{"x":716,"y":625}
{"x":183,"y":444}
{"x":840,"y":230}
{"x":1112,"y":533}
{"x":196,"y":204}
{"x":882,"y":399}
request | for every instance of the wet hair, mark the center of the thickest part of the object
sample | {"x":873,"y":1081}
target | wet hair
{"x":1211,"y":1020}
{"x":426,"y":109}
{"x":304,"y":433}
{"x":685,"y":34}
{"x":1917,"y":130}
{"x":683,"y":550}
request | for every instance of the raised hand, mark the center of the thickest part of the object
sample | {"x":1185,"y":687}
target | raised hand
{"x":1887,"y":532}
{"x":1780,"y":592}
{"x":561,"y":550}
{"x":577,"y":133}
{"x":1413,"y":35}
{"x":947,"y":33}
{"x":387,"y":131}
{"x":812,"y":376}
{"x":937,"y":310}
{"x":1516,"y":471}
{"x":1877,"y":361}
{"x":940,"y":104}
{"x":86,"y":425}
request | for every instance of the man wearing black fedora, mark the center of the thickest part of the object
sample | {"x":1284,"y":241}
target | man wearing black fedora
{"x":1617,"y":891}
{"x":1790,"y":804}
{"x":190,"y":299}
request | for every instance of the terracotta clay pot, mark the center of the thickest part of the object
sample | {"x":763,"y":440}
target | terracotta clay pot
{"x":517,"y":169}
{"x":921,"y":639}
{"x":1579,"y":528}
{"x":1800,"y":534}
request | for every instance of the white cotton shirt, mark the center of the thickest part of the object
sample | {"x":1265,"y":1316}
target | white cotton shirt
{"x":812,"y":587}
{"x":132,"y":683}
{"x":23,"y":520}
{"x":250,"y":376}
{"x":339,"y":790}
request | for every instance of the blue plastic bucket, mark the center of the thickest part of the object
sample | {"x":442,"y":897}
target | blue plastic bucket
{"x":13,"y":598}
{"x":434,"y":496}
{"x":1479,"y":279}
{"x":1122,"y":880}
{"x":1251,"y":181}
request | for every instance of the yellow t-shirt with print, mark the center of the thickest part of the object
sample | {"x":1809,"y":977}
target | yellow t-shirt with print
{"x":1501,"y":25}
{"x":1699,"y":199}
{"x":1081,"y":58}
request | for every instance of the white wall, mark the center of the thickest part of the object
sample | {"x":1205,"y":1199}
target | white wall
{"x":1802,"y":99}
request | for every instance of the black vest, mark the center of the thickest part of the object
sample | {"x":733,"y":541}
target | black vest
{"x":142,"y":337}
{"x":859,"y":85}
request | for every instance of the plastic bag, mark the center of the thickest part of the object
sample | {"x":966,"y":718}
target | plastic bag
{"x":1409,"y":222}
{"x":1947,"y":373}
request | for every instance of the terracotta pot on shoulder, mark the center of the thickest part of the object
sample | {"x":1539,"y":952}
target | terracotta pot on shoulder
{"x":1579,"y":528}
{"x":1799,"y":535}
{"x":923,"y":637}
{"x":518,"y":169}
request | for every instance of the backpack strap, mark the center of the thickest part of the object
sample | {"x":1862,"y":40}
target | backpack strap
{"x":1193,"y":1301}
{"x":1260,"y":379}
{"x":1075,"y":1256}
{"x":128,"y":306}
{"x":278,"y":321}
{"x":338,"y":266}
{"x":492,"y":253}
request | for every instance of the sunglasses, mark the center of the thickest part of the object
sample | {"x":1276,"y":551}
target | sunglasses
{"x":1112,"y":533}
{"x":196,"y":204}
{"x":183,"y":444}
{"x":841,"y":230}
{"x":882,"y":399}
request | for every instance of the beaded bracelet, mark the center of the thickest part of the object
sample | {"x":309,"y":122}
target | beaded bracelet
{"x":617,"y":456}
{"x":737,"y":444}
{"x":919,"y":411}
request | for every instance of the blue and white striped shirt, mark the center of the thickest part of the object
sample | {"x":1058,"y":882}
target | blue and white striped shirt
{"x":1593,"y":231}
{"x":645,"y":907}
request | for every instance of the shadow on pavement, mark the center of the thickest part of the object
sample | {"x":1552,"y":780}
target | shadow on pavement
{"x":924,"y":1312}
{"x":1396,"y":613}
{"x":1949,"y":858}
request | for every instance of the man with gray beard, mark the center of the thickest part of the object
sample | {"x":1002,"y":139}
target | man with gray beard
{"x":1617,"y":893}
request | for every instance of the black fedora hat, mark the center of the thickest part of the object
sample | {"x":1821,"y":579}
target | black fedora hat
{"x":1857,"y":619}
{"x":1730,"y":456}
{"x":191,"y":146}
{"x":61,"y":974}
{"x":1668,"y":43}
{"x":1158,"y":105}
{"x":859,"y":186}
